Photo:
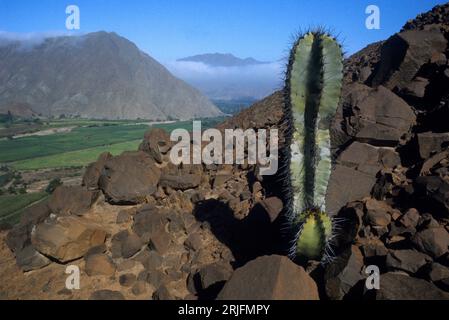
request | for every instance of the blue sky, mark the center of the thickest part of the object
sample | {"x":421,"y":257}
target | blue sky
{"x":171,"y":29}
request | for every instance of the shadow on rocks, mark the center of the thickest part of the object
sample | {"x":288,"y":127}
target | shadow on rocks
{"x":251,"y":237}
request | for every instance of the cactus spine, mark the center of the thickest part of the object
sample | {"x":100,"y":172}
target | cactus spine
{"x":313,"y":89}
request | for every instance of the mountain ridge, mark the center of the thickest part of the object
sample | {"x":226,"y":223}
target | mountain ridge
{"x":222,"y":60}
{"x":96,"y":75}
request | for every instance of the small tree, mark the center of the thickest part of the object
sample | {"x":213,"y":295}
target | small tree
{"x":53,"y":184}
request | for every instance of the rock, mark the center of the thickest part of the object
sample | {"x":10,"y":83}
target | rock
{"x":376,"y":114}
{"x":427,"y":221}
{"x":355,"y":174}
{"x":214,"y":274}
{"x":160,"y":241}
{"x":342,"y":274}
{"x":96,"y":250}
{"x":106,"y":295}
{"x":29,"y":259}
{"x":71,"y":200}
{"x":152,"y":261}
{"x":256,"y":187}
{"x":126,"y":265}
{"x":125,"y":244}
{"x":19,"y":237}
{"x":194,"y":241}
{"x":147,"y":221}
{"x":438,"y":58}
{"x":221,"y":179}
{"x":377,"y":213}
{"x":404,"y":54}
{"x":373,"y":248}
{"x":180,"y":182}
{"x":127,"y":280}
{"x":416,"y":88}
{"x":156,"y":143}
{"x":245,"y":195}
{"x":395,"y":286}
{"x":65,"y":292}
{"x":407,"y":260}
{"x":67,"y":238}
{"x":131,"y":245}
{"x":139,"y":288}
{"x":432,"y":241}
{"x":162,"y":294}
{"x":444,"y":284}
{"x":93,"y":171}
{"x":123,"y":217}
{"x":347,"y":185}
{"x":270,"y":278}
{"x":35,"y":214}
{"x":176,"y":223}
{"x":410,"y":219}
{"x":437,"y":272}
{"x":99,"y":265}
{"x":431,"y":142}
{"x":273,"y":206}
{"x":129,"y":178}
{"x":156,"y":278}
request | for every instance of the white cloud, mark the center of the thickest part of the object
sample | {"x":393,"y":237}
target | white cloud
{"x":230,"y":82}
{"x":28,"y":40}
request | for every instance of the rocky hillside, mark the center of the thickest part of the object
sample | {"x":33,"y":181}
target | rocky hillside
{"x":98,"y":75}
{"x":141,"y":228}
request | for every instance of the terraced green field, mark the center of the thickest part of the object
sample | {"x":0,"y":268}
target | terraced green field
{"x":76,"y":158}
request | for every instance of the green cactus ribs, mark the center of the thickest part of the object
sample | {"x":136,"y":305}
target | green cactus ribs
{"x":315,"y":230}
{"x":313,"y":89}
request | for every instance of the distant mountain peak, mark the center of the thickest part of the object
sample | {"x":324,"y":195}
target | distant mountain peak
{"x":95,"y":75}
{"x":222,"y":60}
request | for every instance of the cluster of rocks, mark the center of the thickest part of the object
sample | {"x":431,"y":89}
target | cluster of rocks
{"x":391,"y":175}
{"x":214,"y":231}
{"x":165,"y":231}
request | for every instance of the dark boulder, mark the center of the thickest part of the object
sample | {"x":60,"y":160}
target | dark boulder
{"x":406,"y":260}
{"x":404,"y":54}
{"x":430,"y":142}
{"x":376,"y":114}
{"x":93,"y":171}
{"x":432,"y":241}
{"x":343,"y":273}
{"x":129,"y":178}
{"x":270,"y":278}
{"x":156,"y":143}
{"x":395,"y":286}
{"x":74,"y":200}
{"x":180,"y":182}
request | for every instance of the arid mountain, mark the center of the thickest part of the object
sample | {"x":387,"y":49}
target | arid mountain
{"x":98,"y":75}
{"x":222,"y":60}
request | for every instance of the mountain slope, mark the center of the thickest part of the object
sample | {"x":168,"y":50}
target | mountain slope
{"x":98,"y":75}
{"x":222,"y":60}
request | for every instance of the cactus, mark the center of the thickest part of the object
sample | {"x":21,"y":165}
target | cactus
{"x":312,"y":93}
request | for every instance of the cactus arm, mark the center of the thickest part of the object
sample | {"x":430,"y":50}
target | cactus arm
{"x":330,"y":97}
{"x":297,"y":82}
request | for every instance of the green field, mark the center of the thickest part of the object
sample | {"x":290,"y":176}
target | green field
{"x":82,"y":145}
{"x":79,"y":138}
{"x":12,"y":206}
{"x":77,"y":158}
